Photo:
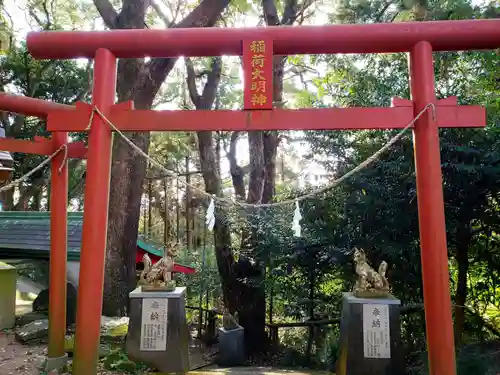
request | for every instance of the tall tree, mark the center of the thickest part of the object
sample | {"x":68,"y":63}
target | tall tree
{"x":138,"y":80}
{"x":242,"y":278}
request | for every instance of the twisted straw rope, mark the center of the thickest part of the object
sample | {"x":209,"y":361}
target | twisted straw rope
{"x":227,"y":201}
{"x":24,"y":177}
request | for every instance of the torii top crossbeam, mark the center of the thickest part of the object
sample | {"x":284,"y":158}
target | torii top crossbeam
{"x":287,"y":40}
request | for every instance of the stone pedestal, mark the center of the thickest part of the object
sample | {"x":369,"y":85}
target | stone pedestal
{"x":8,"y":276}
{"x":158,"y":334}
{"x":370,"y":339}
{"x":231,"y":347}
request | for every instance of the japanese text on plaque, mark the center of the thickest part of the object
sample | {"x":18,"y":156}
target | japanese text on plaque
{"x":376,"y":333}
{"x":258,"y":81}
{"x":154,"y":325}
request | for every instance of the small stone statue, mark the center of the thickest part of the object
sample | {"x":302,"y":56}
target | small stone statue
{"x":159,"y":276}
{"x":370,"y":283}
{"x":228,"y":321}
{"x":146,"y":262}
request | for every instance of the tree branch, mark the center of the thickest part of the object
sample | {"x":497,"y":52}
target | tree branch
{"x":291,"y":12}
{"x":191,"y":82}
{"x":77,"y":188}
{"x":169,"y":175}
{"x":28,"y":192}
{"x":213,"y":79}
{"x":205,"y":14}
{"x":34,"y":86}
{"x":4,"y":118}
{"x":161,"y":14}
{"x":17,"y":125}
{"x":207,"y":98}
{"x":237,"y":173}
{"x":132,"y":15}
{"x":270,"y":12}
{"x":36,"y":18}
{"x":107,"y":12}
{"x":380,"y":14}
{"x":175,"y":14}
{"x":48,"y":24}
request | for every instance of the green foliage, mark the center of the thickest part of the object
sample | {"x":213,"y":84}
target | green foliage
{"x":475,"y":359}
{"x":61,"y":14}
{"x":117,"y":360}
{"x":61,"y":81}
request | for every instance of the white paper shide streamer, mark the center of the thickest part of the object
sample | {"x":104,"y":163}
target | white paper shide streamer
{"x":296,"y":220}
{"x":210,"y":217}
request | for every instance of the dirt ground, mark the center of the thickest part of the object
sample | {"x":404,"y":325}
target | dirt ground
{"x":19,"y":359}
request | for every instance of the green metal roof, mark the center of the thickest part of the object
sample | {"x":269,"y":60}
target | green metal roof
{"x":148,"y":247}
{"x":26,"y":234}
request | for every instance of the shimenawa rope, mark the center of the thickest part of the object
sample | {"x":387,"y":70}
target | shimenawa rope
{"x":16,"y":183}
{"x":227,"y":201}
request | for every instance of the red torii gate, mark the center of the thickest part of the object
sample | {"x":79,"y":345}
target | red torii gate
{"x":420,"y":39}
{"x":58,"y":204}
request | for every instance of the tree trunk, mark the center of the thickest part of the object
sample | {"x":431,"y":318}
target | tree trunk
{"x":252,"y":296}
{"x":237,"y":174}
{"x":177,"y":210}
{"x":150,"y":207}
{"x":37,"y":197}
{"x":257,"y":167}
{"x":166,"y":213}
{"x":222,"y":236}
{"x":270,"y":151}
{"x":248,"y":298}
{"x":211,"y":176}
{"x":139,"y":81}
{"x":261,"y":188}
{"x":462,"y":258}
{"x":252,"y":303}
{"x":189,"y":216}
{"x":7,"y":199}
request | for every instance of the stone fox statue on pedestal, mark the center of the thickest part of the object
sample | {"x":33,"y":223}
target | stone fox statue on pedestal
{"x":159,"y":275}
{"x":229,"y":322}
{"x":370,"y":283}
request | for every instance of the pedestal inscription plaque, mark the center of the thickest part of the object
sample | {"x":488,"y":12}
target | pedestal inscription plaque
{"x":370,"y":337}
{"x":154,"y":324}
{"x":158,"y":334}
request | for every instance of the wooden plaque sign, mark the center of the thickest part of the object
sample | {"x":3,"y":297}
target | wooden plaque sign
{"x":258,"y":74}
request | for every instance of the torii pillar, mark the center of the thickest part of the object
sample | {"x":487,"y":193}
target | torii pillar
{"x":434,"y":256}
{"x":56,"y":356}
